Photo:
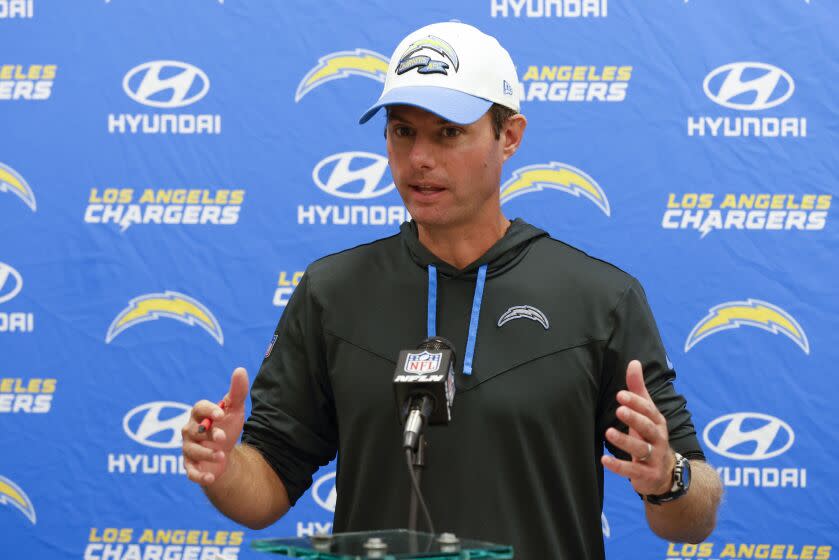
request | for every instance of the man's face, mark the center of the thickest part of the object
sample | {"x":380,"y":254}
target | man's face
{"x":447,"y":174}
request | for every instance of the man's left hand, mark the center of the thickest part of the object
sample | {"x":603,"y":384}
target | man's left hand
{"x":651,"y":469}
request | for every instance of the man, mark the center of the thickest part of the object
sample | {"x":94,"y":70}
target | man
{"x":552,"y":344}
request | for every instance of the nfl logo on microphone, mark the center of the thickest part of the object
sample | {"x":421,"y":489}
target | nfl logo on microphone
{"x":424,"y":362}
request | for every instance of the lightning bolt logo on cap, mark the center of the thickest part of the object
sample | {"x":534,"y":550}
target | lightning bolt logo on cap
{"x":12,"y":495}
{"x":554,"y":175}
{"x":11,"y":181}
{"x":342,"y":64}
{"x":173,"y":305}
{"x":753,"y":313}
{"x":424,"y":64}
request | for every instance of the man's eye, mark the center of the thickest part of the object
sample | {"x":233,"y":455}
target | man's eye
{"x":451,"y":132}
{"x":402,"y":131}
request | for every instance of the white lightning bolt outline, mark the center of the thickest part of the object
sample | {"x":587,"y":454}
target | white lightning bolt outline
{"x":524,"y":312}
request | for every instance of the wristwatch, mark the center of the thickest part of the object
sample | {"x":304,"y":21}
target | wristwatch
{"x":681,"y":483}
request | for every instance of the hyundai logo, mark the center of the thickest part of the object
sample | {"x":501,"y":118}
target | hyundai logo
{"x":157,"y":424}
{"x":353,"y":175}
{"x":11,"y":282}
{"x":166,"y":84}
{"x":750,"y":86}
{"x":324,"y":492}
{"x":751,"y":436}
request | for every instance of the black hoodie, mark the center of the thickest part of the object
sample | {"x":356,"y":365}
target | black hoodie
{"x":520,"y":462}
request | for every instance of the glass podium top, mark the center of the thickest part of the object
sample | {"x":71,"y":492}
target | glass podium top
{"x":396,"y":544}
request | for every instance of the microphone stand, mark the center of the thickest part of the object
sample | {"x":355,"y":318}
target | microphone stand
{"x":418,"y":459}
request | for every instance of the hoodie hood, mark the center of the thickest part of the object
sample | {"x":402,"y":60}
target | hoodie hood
{"x":505,"y":253}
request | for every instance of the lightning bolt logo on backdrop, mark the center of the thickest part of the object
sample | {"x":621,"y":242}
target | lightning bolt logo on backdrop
{"x":11,"y":181}
{"x":12,"y":495}
{"x":753,"y":313}
{"x":558,"y":176}
{"x":172,"y":305}
{"x":342,"y":64}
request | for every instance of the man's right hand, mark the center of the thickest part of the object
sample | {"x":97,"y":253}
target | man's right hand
{"x":206,"y":454}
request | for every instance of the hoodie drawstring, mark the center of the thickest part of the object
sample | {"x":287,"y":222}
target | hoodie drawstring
{"x":432,"y":301}
{"x":473,"y":319}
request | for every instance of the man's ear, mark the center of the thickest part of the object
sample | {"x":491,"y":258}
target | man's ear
{"x":512,"y":134}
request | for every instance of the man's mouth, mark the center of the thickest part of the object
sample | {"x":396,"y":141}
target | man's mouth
{"x":427,"y":189}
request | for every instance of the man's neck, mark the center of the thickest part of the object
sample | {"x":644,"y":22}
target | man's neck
{"x":462,"y":245}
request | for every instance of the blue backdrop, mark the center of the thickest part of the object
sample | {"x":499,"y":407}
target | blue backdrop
{"x":167,"y":169}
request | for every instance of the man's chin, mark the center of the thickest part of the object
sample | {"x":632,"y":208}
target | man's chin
{"x":432,"y":218}
{"x":422,"y":217}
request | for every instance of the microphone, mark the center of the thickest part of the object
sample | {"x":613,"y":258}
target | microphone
{"x":423,"y":384}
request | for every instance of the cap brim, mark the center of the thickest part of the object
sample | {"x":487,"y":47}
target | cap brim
{"x":454,"y":106}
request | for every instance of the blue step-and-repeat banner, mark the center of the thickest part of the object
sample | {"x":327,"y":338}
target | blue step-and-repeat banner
{"x":168,"y":168}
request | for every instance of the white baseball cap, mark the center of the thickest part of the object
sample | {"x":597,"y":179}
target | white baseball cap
{"x":451,"y":69}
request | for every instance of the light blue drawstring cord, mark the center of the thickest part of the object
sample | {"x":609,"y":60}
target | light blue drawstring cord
{"x":473,"y":319}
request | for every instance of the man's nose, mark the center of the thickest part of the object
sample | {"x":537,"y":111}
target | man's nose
{"x":422,"y":152}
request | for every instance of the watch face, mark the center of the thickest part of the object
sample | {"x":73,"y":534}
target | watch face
{"x":681,"y":483}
